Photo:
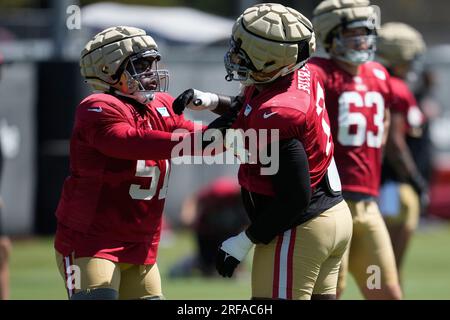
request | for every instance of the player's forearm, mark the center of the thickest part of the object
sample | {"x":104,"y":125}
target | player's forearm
{"x":293,"y":194}
{"x":198,"y":100}
{"x":400,"y":157}
{"x":223,"y":105}
{"x":132,"y":144}
{"x":397,"y":150}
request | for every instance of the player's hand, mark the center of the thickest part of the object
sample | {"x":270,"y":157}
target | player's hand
{"x":237,"y":103}
{"x":195,"y":100}
{"x":420,"y":185}
{"x":231,"y":253}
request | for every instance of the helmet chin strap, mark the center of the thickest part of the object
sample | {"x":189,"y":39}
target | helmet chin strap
{"x":283,"y":71}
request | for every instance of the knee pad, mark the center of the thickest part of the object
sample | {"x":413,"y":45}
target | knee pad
{"x":96,"y":294}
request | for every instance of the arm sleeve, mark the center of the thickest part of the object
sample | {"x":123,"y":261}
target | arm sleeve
{"x":110,"y":132}
{"x":292,"y":194}
{"x":124,"y":142}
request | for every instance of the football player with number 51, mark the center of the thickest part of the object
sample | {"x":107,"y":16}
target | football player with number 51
{"x":109,"y":213}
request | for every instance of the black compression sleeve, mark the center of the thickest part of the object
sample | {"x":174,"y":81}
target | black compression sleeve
{"x":292,"y":194}
{"x":227,"y":102}
{"x":224,"y":104}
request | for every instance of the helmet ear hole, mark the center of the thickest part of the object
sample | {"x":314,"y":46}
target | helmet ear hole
{"x":303,"y":51}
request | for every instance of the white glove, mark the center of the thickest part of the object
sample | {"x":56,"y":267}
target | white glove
{"x":237,"y":246}
{"x":203,"y":101}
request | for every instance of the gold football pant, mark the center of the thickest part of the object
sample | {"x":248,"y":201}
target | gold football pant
{"x":304,"y":260}
{"x":370,"y":251}
{"x":130,"y":281}
{"x":409,"y":209}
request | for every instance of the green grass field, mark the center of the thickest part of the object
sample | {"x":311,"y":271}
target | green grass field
{"x":426,"y":275}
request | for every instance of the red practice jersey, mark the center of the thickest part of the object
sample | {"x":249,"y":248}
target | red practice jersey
{"x":356,"y":106}
{"x":293,"y":104}
{"x":119,"y":170}
{"x":405,"y":103}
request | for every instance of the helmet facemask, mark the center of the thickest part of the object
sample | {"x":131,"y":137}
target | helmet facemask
{"x":237,"y":64}
{"x":268,"y":41}
{"x":143,"y":78}
{"x":239,"y":67}
{"x":355,"y":50}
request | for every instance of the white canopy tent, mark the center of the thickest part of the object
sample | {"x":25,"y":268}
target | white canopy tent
{"x":173,"y":25}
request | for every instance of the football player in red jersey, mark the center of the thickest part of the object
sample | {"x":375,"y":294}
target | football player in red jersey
{"x":300,"y":225}
{"x":399,"y":47}
{"x":357,"y":96}
{"x":109,"y":213}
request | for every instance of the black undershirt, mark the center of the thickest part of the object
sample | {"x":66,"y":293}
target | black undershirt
{"x":294,"y":202}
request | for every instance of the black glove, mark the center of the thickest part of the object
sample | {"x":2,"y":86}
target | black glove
{"x":195,"y":100}
{"x":232,"y":252}
{"x":237,"y":102}
{"x":226,"y":264}
{"x":419,"y":184}
{"x":180,"y":103}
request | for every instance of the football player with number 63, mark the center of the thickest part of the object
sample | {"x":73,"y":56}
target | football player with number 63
{"x":357,"y":97}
